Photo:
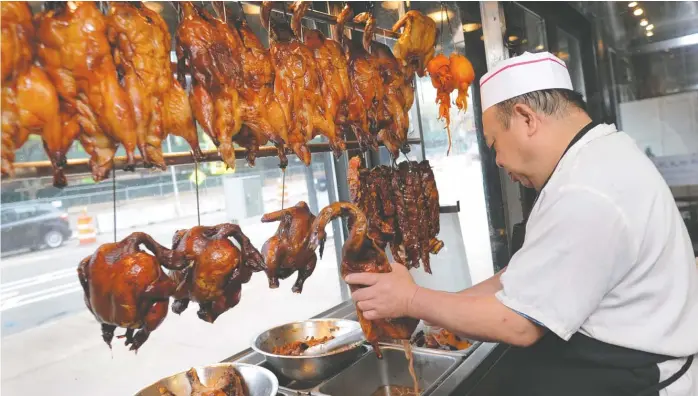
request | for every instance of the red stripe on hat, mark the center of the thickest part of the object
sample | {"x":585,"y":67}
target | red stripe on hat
{"x":521,"y":64}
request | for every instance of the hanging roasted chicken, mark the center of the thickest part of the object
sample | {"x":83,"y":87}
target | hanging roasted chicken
{"x":361,"y":254}
{"x":217,"y":271}
{"x":141,"y":48}
{"x":448,"y":74}
{"x":75,"y":52}
{"x":415,"y":47}
{"x":29,"y":98}
{"x":296,"y":85}
{"x":125,"y":286}
{"x":287,"y":251}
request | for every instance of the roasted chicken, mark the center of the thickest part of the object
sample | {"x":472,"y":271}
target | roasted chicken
{"x":29,"y":99}
{"x":126,"y":287}
{"x":415,"y":47}
{"x":361,"y":254}
{"x":75,"y":52}
{"x":448,"y":74}
{"x":287,"y":251}
{"x":296,"y":85}
{"x":141,"y":49}
{"x":217,"y":271}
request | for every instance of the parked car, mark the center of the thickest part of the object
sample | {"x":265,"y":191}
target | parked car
{"x":33,"y":226}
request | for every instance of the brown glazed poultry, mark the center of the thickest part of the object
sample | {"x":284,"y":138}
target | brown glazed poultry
{"x":75,"y":52}
{"x":141,"y":48}
{"x":369,"y":190}
{"x":334,"y":68}
{"x":261,"y":113}
{"x":204,"y":51}
{"x":296,"y":85}
{"x":361,"y":254}
{"x":218,"y":269}
{"x":415,"y":47}
{"x":29,"y":99}
{"x":287,"y":251}
{"x":125,"y":287}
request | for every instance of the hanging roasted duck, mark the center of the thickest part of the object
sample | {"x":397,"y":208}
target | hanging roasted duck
{"x":370,"y":191}
{"x":75,"y":52}
{"x":287,"y":251}
{"x":125,"y":286}
{"x":447,"y":75}
{"x":261,"y":113}
{"x":29,"y":98}
{"x":361,"y":254}
{"x":141,"y":48}
{"x":204,"y":52}
{"x":297,"y":83}
{"x":415,"y":46}
{"x":217,"y":271}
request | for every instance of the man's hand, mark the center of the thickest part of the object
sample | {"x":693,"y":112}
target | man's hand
{"x":386,"y":296}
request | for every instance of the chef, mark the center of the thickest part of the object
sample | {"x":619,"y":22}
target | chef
{"x":603,"y":293}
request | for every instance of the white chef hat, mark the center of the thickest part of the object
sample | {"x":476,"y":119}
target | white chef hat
{"x":523,"y":74}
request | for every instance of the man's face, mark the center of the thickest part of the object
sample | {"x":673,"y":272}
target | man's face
{"x":508,"y":145}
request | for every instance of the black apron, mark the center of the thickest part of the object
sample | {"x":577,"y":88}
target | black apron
{"x":583,"y":365}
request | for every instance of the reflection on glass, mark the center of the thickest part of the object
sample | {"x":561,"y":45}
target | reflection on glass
{"x":569,"y":52}
{"x":525,"y":30}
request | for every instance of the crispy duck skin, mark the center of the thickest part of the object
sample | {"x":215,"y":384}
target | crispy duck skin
{"x":125,"y":286}
{"x":75,"y":52}
{"x":361,"y":254}
{"x":141,"y":48}
{"x":334,"y":70}
{"x":415,"y":47}
{"x":29,"y":98}
{"x":260,"y":111}
{"x":296,"y":84}
{"x":205,"y":52}
{"x":287,"y":251}
{"x":219,"y":268}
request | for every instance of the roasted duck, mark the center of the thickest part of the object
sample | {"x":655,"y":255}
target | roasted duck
{"x":204,"y":51}
{"x":287,"y":251}
{"x":75,"y":52}
{"x":370,"y":191}
{"x":125,"y":286}
{"x":367,"y":91}
{"x":296,"y":85}
{"x":230,"y":383}
{"x":261,"y":113}
{"x":361,"y":254}
{"x":415,"y":47}
{"x":141,"y":48}
{"x":218,"y":269}
{"x":29,"y":99}
{"x":447,"y":74}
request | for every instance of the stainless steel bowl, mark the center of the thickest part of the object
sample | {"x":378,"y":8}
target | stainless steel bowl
{"x":259,"y":381}
{"x":308,"y":368}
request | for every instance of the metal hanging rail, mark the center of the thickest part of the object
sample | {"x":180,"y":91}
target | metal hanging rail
{"x":318,"y":16}
{"x":25,"y":170}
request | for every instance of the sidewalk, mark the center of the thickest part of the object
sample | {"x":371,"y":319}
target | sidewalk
{"x":68,"y":357}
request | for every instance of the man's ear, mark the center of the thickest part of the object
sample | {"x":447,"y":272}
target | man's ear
{"x":529,"y":116}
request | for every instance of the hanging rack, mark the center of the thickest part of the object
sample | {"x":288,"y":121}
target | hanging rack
{"x":327,"y":18}
{"x":25,"y":170}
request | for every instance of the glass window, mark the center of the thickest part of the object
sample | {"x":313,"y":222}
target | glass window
{"x":525,"y":30}
{"x":49,"y":338}
{"x":569,"y":52}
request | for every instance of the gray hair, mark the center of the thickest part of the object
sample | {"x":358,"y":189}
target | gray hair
{"x":552,"y":102}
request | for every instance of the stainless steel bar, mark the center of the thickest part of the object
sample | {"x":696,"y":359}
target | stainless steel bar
{"x":25,"y":170}
{"x":327,"y":18}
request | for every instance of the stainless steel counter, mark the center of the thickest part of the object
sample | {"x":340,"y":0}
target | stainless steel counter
{"x":451,"y":384}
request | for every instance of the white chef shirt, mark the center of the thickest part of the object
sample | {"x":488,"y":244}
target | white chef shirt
{"x":607,"y":253}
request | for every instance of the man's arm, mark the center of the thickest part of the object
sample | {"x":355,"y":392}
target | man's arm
{"x":489,"y":286}
{"x":478,"y":316}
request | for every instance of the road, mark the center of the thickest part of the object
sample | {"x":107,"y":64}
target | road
{"x":42,"y":286}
